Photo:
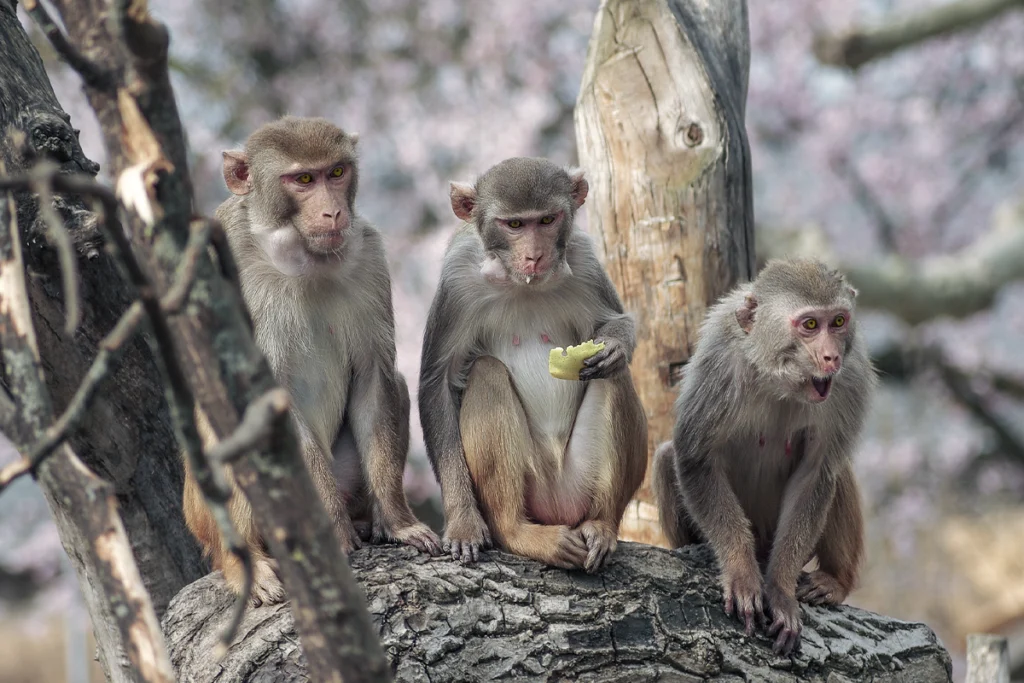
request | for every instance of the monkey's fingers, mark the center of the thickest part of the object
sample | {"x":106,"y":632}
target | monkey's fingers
{"x":571,"y":550}
{"x":785,"y":626}
{"x":788,"y":637}
{"x":601,"y":543}
{"x":820,"y":588}
{"x":420,"y":537}
{"x":606,"y":367}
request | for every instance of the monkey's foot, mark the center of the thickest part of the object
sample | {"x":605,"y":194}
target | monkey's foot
{"x":601,"y":541}
{"x":465,"y":536}
{"x":267,"y":588}
{"x":555,"y":545}
{"x":419,"y":536}
{"x":742,"y":592}
{"x":820,"y":588}
{"x":348,"y":537}
{"x":785,"y":626}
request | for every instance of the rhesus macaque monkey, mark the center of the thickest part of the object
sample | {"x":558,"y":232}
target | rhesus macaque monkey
{"x":315,"y":280}
{"x":770,"y":409}
{"x":553,"y":463}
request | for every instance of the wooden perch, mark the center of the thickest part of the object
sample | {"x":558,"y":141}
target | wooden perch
{"x":650,"y":615}
{"x":857,"y":46}
{"x":955,"y":285}
{"x":659,"y":127}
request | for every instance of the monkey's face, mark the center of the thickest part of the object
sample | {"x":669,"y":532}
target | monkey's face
{"x":821,"y":337}
{"x":318,"y":204}
{"x":526,"y":247}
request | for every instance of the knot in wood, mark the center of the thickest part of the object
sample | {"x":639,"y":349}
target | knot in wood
{"x":694,"y":135}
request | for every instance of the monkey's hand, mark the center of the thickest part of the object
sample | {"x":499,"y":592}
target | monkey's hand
{"x":608,"y":362}
{"x":743,"y":590}
{"x":266,"y":586}
{"x":785,"y":627}
{"x":417,"y":534}
{"x":820,"y":588}
{"x":601,"y":542}
{"x":465,"y":536}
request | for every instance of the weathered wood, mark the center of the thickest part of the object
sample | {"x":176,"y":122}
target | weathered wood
{"x":659,"y":126}
{"x":121,"y":51}
{"x":128,"y":635}
{"x":651,"y":615}
{"x":141,"y":463}
{"x":988,"y":659}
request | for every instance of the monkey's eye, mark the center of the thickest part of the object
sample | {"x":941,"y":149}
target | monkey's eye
{"x":337,"y":171}
{"x":547,"y":220}
{"x":810,"y":324}
{"x":304,"y":178}
{"x":515,"y":224}
{"x":839,"y":321}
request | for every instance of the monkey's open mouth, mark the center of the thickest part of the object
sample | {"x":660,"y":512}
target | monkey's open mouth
{"x":822,"y":385}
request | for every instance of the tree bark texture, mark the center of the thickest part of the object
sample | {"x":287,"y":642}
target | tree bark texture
{"x":127,"y":439}
{"x":660,"y":130}
{"x":209,"y":352}
{"x":651,"y":615}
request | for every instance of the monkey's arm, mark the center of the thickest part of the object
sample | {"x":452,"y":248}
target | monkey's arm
{"x":379,"y":414}
{"x":805,"y":509}
{"x":443,"y":352}
{"x":615,"y":328}
{"x":710,"y":501}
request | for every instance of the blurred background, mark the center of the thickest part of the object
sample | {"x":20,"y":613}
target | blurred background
{"x":916,"y":155}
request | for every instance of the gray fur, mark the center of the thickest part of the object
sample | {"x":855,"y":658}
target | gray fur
{"x":468,"y":313}
{"x":747,"y":499}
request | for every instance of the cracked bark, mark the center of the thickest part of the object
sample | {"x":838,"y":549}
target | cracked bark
{"x":141,"y":463}
{"x":659,"y":126}
{"x":652,"y":615}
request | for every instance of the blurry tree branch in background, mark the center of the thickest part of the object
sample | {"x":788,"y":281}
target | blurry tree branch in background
{"x":955,"y":285}
{"x":859,"y":45}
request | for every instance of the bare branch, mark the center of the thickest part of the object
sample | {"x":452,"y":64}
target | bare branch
{"x":96,"y":532}
{"x":956,"y":285}
{"x":91,"y":73}
{"x":868,"y":199}
{"x":261,"y":418}
{"x":859,"y":45}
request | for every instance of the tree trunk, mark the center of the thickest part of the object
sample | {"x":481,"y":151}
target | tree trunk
{"x":127,"y":439}
{"x":659,"y":125}
{"x":651,"y":615}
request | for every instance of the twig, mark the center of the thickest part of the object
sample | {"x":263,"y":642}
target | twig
{"x":857,"y":46}
{"x":959,"y":385}
{"x":216,"y":491}
{"x":867,"y":198}
{"x":60,"y":238}
{"x":90,"y":72}
{"x":258,"y":423}
{"x":110,"y":351}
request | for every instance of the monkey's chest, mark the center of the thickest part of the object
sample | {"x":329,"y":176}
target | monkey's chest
{"x":550,"y":404}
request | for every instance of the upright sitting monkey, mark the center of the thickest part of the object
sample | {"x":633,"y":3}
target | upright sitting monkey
{"x":551,"y":463}
{"x":315,"y":280}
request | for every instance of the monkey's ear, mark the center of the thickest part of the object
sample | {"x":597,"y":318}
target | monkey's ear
{"x":236,"y":172}
{"x":353,"y":138}
{"x":580,"y":186}
{"x":745,"y":313}
{"x":853,"y":291}
{"x":463,"y":200}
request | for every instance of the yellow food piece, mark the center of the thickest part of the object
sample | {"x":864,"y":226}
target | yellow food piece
{"x":567,"y":363}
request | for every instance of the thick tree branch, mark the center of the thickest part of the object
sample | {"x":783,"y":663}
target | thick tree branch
{"x":859,"y":45}
{"x":956,"y":285}
{"x":109,"y":561}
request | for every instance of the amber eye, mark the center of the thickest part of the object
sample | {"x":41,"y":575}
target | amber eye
{"x":810,"y":324}
{"x":515,"y":224}
{"x":839,"y":321}
{"x":547,"y":220}
{"x":304,"y":178}
{"x":337,"y":171}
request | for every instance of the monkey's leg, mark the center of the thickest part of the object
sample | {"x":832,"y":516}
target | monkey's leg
{"x":318,"y":463}
{"x":671,"y":513}
{"x":611,"y":428}
{"x":379,"y":412}
{"x":840,"y":549}
{"x":808,"y":498}
{"x":496,"y":439}
{"x":266,"y":587}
